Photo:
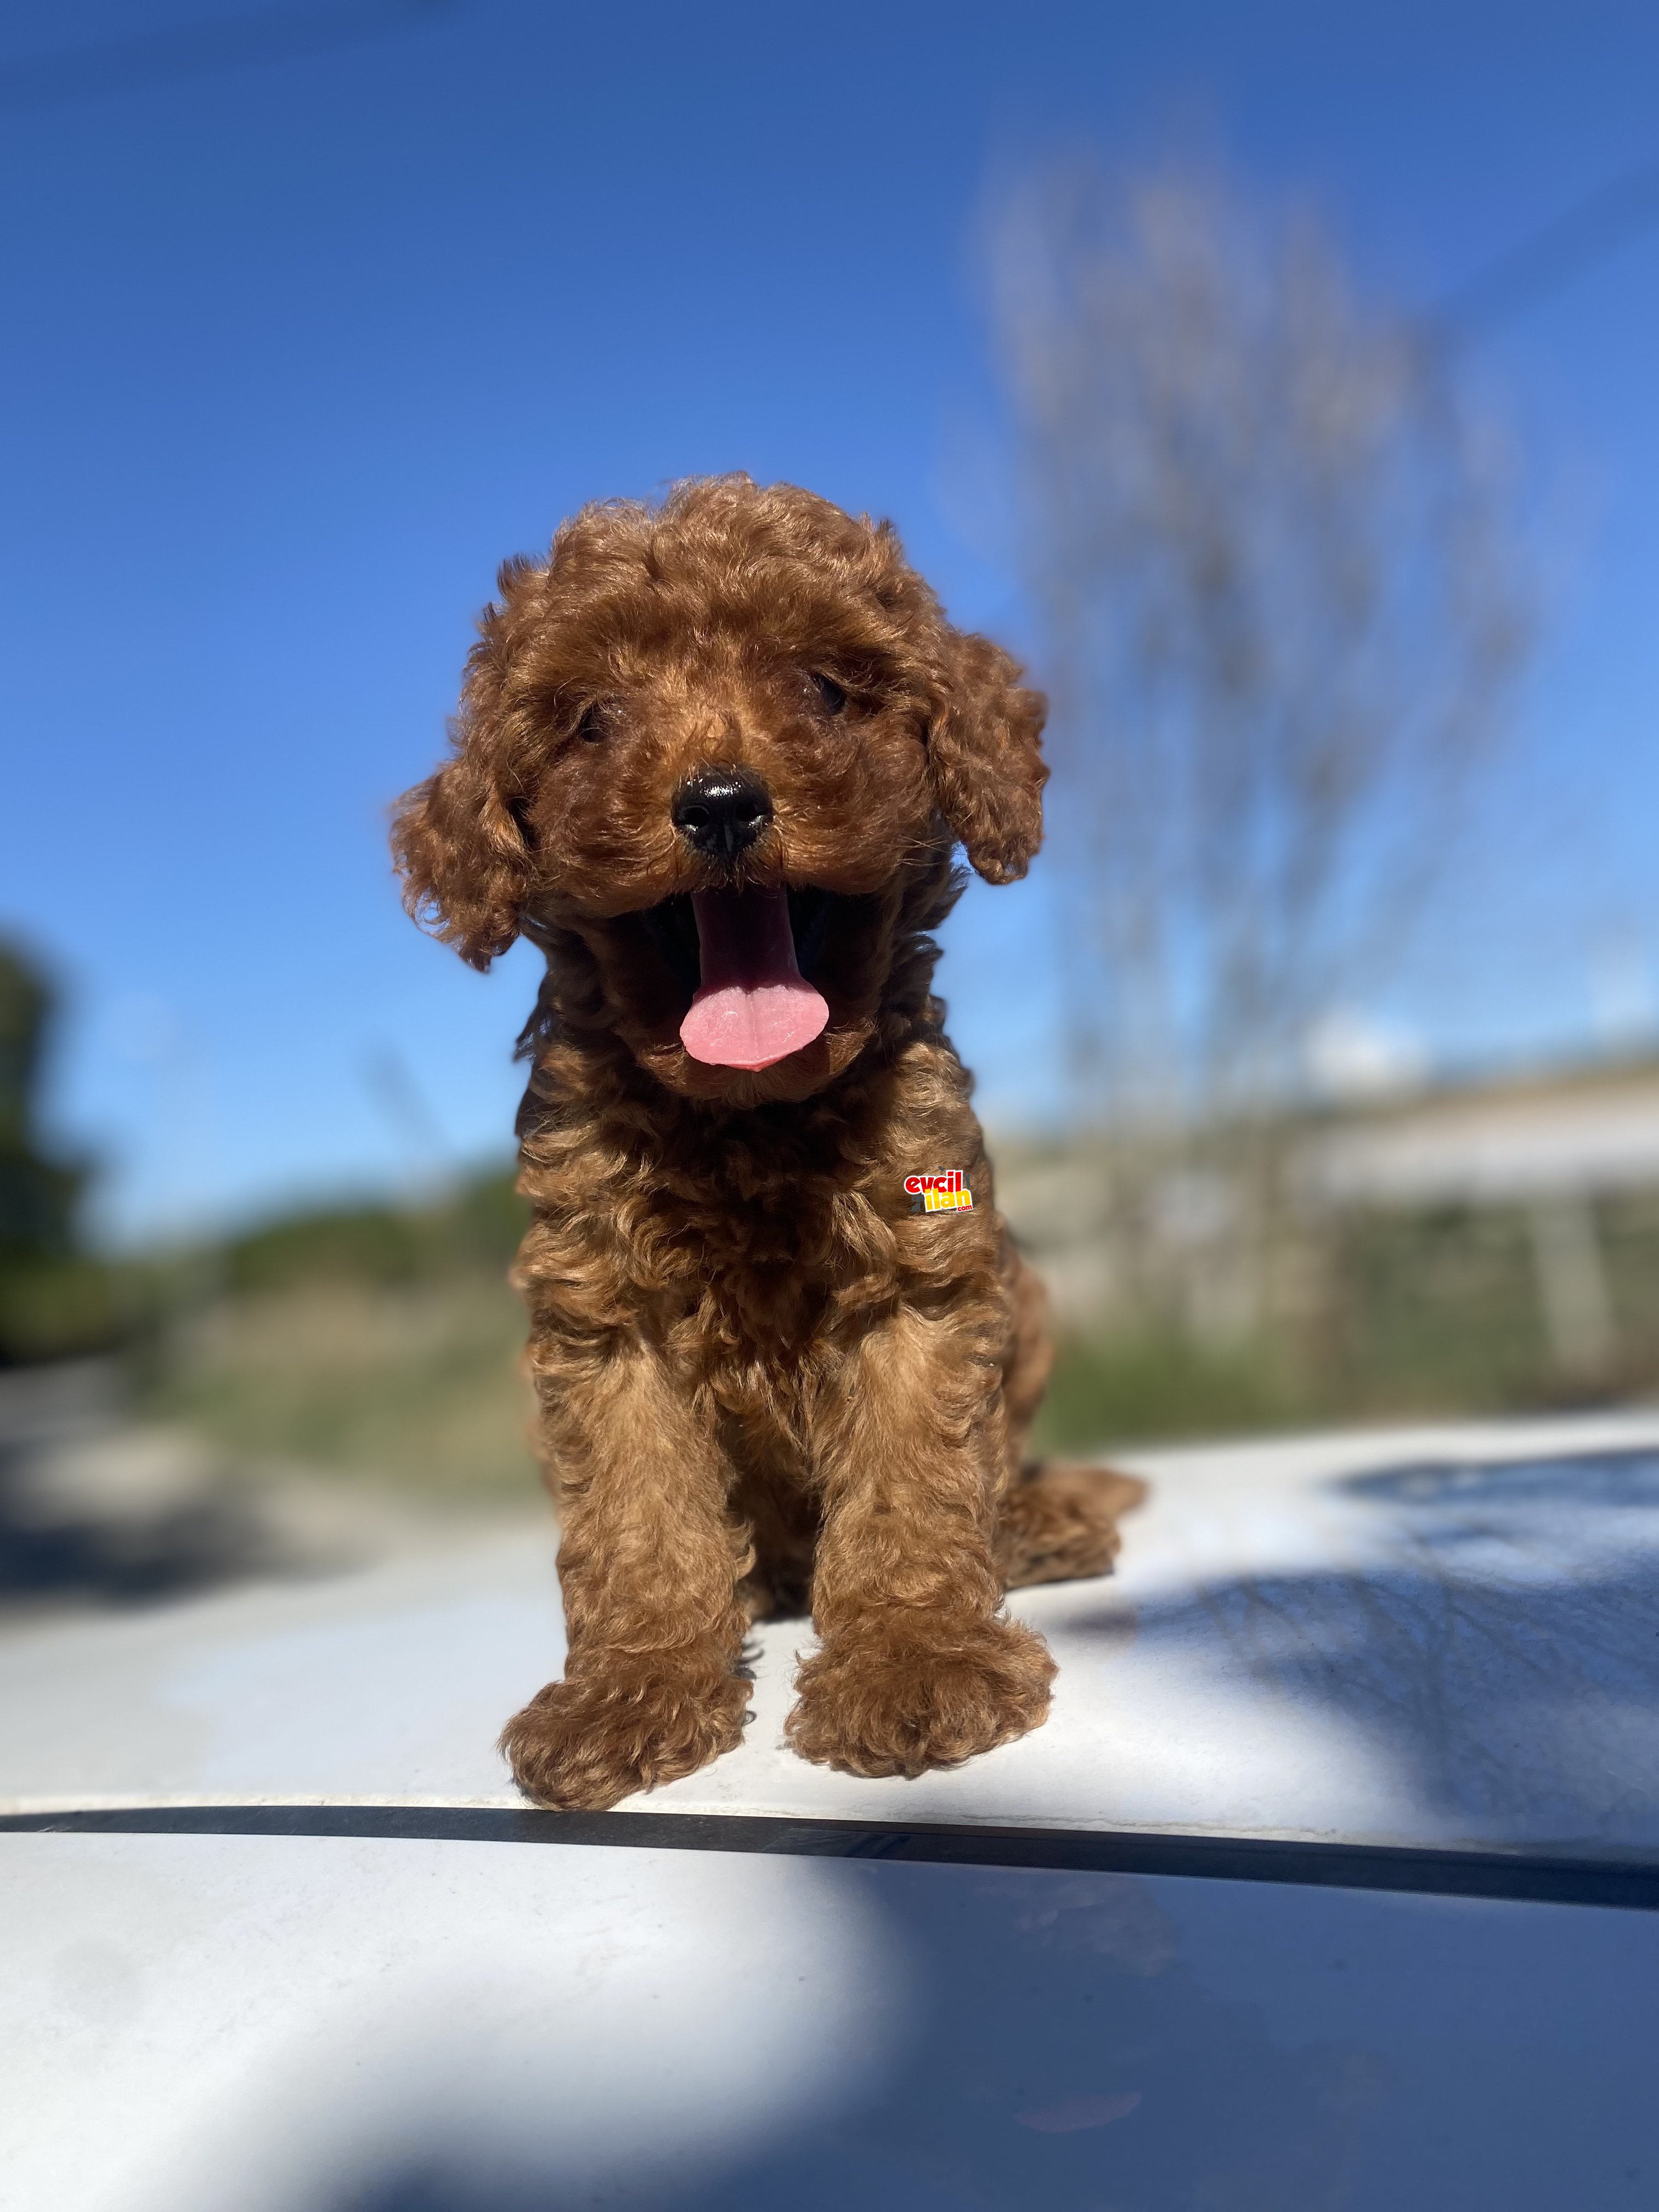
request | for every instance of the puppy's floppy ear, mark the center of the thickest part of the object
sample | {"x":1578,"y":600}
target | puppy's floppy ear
{"x":985,"y":759}
{"x":457,"y":843}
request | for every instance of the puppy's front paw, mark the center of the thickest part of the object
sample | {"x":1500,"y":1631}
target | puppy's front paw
{"x":580,"y":1744}
{"x":875,"y":1701}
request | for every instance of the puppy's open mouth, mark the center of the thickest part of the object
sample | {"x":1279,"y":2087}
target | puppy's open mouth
{"x":743,"y":952}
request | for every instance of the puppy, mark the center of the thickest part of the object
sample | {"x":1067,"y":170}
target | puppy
{"x":714,"y":759}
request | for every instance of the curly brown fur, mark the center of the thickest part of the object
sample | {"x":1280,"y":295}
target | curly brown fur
{"x":762,"y":1380}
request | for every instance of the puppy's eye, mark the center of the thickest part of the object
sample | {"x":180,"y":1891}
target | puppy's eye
{"x":592,"y":726}
{"x":831,"y":694}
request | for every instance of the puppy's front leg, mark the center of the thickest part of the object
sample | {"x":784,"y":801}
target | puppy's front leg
{"x":649,"y":1565}
{"x":917,"y":1666}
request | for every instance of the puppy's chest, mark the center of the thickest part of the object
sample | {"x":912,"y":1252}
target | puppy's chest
{"x":767,"y":1260}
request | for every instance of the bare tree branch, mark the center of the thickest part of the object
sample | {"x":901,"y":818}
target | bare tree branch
{"x":1270,"y":543}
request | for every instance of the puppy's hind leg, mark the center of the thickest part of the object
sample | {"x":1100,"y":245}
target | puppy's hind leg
{"x":782,"y":1520}
{"x":1058,"y":1522}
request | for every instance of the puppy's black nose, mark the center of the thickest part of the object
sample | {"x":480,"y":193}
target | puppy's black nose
{"x":722,"y":811}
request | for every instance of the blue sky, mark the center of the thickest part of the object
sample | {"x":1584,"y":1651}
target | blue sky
{"x":292,"y":355}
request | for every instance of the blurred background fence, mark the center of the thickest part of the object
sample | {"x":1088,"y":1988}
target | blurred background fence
{"x":1483,"y":1246}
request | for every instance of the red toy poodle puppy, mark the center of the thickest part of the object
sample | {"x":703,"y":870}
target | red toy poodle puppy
{"x":714,"y":759}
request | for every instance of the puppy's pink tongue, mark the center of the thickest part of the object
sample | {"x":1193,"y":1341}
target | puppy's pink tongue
{"x":752,"y":1007}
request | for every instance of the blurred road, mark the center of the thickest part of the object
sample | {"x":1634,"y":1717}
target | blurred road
{"x":98,"y":1510}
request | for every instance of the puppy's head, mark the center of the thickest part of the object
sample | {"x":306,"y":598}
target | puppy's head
{"x":718,"y":754}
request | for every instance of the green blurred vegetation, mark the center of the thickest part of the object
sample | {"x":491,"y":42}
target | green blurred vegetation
{"x":1157,"y":1384}
{"x":382,"y":1339}
{"x":373,"y":1340}
{"x":475,"y":1227}
{"x":55,"y":1300}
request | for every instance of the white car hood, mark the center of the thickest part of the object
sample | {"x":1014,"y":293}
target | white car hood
{"x":1441,"y":1638}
